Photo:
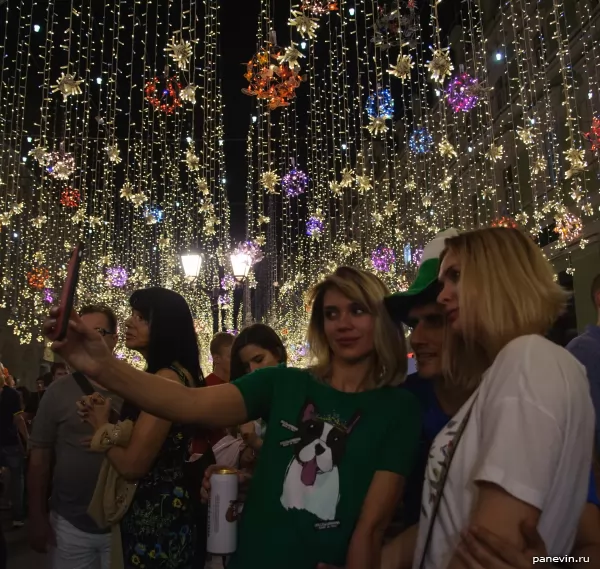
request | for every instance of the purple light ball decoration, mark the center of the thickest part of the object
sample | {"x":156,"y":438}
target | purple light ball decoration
{"x":294,"y":183}
{"x":228,"y":282}
{"x":417,"y":256}
{"x":117,"y":276}
{"x":383,"y":258}
{"x":48,"y":295}
{"x":460,"y":93}
{"x":314,"y":226}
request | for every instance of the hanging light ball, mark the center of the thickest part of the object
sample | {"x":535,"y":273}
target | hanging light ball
{"x":228,"y":282}
{"x":568,"y":227}
{"x":163,"y":95}
{"x":383,"y":258}
{"x":273,"y":75}
{"x":60,"y":165}
{"x":380,"y":104}
{"x":420,"y":140}
{"x":116,"y":276}
{"x":48,"y":295}
{"x":153,"y":214}
{"x":505,"y":221}
{"x":593,"y":136}
{"x":37,"y":277}
{"x":294,"y":183}
{"x":70,"y":197}
{"x":314,"y":226}
{"x":319,"y":7}
{"x":461,"y":94}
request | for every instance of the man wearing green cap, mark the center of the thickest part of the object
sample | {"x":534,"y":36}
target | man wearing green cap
{"x":418,"y":309}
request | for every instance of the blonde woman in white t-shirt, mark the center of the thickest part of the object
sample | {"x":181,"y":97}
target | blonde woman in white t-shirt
{"x":527,"y":431}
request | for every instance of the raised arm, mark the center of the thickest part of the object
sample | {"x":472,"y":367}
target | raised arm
{"x":219,"y":406}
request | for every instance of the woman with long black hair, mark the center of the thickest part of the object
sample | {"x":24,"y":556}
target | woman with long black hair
{"x":159,"y":529}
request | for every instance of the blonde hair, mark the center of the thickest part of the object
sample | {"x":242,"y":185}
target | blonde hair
{"x":507,"y":289}
{"x":389,"y":354}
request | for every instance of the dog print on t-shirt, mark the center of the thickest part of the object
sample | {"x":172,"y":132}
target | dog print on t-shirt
{"x":312,"y":480}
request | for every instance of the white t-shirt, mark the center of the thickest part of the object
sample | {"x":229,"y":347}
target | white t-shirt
{"x":531,"y":432}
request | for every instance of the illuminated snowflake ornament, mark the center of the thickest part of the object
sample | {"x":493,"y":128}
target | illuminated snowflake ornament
{"x":576,"y":158}
{"x":495,"y":152}
{"x":39,"y":154}
{"x":39,"y":221}
{"x":336,"y":188}
{"x":568,"y":227}
{"x":539,"y":165}
{"x":403,"y":66}
{"x":60,"y":165}
{"x":181,"y":52}
{"x":68,"y":85}
{"x":347,"y":178}
{"x":377,"y":126}
{"x":526,"y":135}
{"x":138,"y":199}
{"x":112,"y":152}
{"x":203,"y":186}
{"x":440,"y":65}
{"x":306,"y":26}
{"x":363,"y":183}
{"x":188,"y":94}
{"x":292,"y":57}
{"x":269,"y":180}
{"x":127,"y":190}
{"x":446,"y":149}
{"x":192,"y":161}
{"x":383,"y":258}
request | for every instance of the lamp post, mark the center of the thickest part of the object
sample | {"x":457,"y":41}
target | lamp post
{"x":241,"y":263}
{"x":192,"y":264}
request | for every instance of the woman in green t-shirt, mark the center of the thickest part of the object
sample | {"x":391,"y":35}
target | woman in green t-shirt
{"x":340,"y":441}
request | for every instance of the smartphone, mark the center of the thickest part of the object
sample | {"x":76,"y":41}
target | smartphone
{"x":67,"y":296}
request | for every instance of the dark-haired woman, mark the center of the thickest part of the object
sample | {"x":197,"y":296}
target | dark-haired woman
{"x":256,"y":347}
{"x":159,"y":529}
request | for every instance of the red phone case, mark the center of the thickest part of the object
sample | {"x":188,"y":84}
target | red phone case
{"x":67,"y":296}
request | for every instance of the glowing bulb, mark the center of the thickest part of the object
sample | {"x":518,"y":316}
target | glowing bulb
{"x":470,"y":149}
{"x":224,"y":180}
{"x":29,"y":139}
{"x":36,"y":28}
{"x":532,"y":121}
{"x":221,"y":142}
{"x":344,"y":146}
{"x":437,"y":92}
{"x":99,"y":80}
{"x":24,"y":158}
{"x":303,"y":45}
{"x":189,"y":139}
{"x":590,"y":95}
{"x":498,"y":56}
{"x":352,"y":11}
{"x":254,"y":119}
{"x":176,"y":204}
{"x":15,"y":235}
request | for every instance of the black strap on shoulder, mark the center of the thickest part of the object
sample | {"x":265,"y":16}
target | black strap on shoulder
{"x":83,"y":383}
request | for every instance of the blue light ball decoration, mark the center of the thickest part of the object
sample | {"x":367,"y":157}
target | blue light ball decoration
{"x":294,"y":183}
{"x":381,"y":105}
{"x":314,"y":226}
{"x":420,"y":140}
{"x":154,"y":211}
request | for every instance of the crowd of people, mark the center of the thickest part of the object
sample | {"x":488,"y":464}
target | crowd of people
{"x":481,"y":460}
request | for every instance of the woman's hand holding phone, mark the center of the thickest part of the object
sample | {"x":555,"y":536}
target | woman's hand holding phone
{"x":82,"y":348}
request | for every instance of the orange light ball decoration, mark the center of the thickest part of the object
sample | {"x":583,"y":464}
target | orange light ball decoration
{"x":70,"y":197}
{"x":270,"y":80}
{"x":164,"y":97}
{"x":319,"y":7}
{"x":505,"y":221}
{"x":37,"y":277}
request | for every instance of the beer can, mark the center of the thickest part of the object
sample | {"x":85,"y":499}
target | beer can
{"x":222,"y":512}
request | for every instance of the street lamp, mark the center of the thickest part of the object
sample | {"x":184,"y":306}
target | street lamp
{"x":241,"y":262}
{"x":192,"y":263}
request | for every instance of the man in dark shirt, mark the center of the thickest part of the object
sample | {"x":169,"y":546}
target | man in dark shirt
{"x":12,"y":450}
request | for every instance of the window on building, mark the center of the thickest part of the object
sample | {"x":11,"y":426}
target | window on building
{"x":509,"y":189}
{"x":501,"y":92}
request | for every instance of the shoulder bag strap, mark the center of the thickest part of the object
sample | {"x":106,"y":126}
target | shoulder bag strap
{"x":443,"y":478}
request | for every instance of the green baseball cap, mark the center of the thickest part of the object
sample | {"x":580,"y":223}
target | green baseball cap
{"x":425,"y":287}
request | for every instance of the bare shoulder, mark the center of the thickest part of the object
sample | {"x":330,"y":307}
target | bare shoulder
{"x":170,"y":374}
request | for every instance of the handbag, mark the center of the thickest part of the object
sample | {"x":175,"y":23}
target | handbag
{"x":443,"y":479}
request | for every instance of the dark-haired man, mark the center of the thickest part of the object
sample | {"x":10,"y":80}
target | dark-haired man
{"x":586,"y":348}
{"x":58,"y":432}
